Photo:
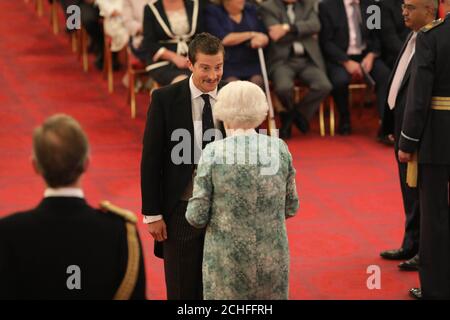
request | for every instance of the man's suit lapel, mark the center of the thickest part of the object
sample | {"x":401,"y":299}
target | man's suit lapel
{"x":408,"y":70}
{"x":221,"y":126}
{"x":283,"y":12}
{"x":182,"y":117}
{"x":342,"y":18}
{"x":299,"y":10}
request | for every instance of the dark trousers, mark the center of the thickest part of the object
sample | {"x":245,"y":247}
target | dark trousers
{"x":303,"y":68}
{"x":340,"y":79}
{"x":183,"y":257}
{"x":412,"y":212}
{"x":434,"y":251}
{"x":411,"y":203}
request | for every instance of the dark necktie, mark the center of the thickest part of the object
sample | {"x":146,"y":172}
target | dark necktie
{"x":207,"y":119}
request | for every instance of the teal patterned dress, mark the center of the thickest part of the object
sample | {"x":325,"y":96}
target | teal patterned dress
{"x":243,"y":192}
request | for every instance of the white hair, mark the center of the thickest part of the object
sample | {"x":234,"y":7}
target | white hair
{"x":241,"y":104}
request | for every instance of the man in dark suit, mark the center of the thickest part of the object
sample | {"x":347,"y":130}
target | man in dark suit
{"x":350,"y":48}
{"x":294,"y":53}
{"x":180,"y":111}
{"x":425,"y":132}
{"x":417,"y":14}
{"x":65,"y":249}
{"x":393,"y":32}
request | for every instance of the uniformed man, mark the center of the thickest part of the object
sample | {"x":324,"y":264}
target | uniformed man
{"x":426,"y":134}
{"x":63,"y":248}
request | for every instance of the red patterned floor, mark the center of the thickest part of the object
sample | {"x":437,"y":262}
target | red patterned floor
{"x":350,"y":197}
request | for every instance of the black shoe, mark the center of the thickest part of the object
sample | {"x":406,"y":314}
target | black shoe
{"x":415,"y":293}
{"x":345,"y":128}
{"x":384,"y":139}
{"x":300,"y":122}
{"x":286,"y":125}
{"x":397,"y":254}
{"x":411,"y":264}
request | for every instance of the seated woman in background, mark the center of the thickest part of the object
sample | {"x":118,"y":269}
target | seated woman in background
{"x":168,"y":27}
{"x":244,"y":190}
{"x":133,"y":18}
{"x":236,"y":23}
{"x":111,"y":11}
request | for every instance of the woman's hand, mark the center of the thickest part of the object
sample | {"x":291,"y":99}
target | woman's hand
{"x":180,"y":61}
{"x":259,"y":40}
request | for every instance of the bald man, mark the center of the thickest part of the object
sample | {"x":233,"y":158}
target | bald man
{"x":416,"y":15}
{"x":425,"y":132}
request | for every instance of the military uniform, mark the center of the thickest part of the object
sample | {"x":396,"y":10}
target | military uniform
{"x":426,"y":130}
{"x":44,"y":250}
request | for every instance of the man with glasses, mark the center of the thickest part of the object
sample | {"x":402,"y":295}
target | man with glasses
{"x":416,"y":14}
{"x":425,"y":141}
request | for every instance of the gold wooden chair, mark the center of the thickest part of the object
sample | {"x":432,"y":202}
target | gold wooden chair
{"x":331,"y":106}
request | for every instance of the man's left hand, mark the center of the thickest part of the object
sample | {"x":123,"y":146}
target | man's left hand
{"x":367,"y":62}
{"x":404,"y":156}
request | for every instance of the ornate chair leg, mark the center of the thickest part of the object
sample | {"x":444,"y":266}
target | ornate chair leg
{"x":332,"y":118}
{"x":322,"y":119}
{"x":54,"y":17}
{"x":84,"y":53}
{"x":40,"y":7}
{"x":132,"y":93}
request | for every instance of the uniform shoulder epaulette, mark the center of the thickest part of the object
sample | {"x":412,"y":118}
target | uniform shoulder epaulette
{"x":129,"y":216}
{"x":432,"y":25}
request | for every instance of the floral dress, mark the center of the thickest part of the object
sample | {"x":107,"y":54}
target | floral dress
{"x":243,"y":192}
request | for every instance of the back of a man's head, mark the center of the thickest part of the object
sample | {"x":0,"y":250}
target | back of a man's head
{"x":60,"y":150}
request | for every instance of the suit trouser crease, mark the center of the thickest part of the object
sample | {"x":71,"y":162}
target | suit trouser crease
{"x":183,"y":257}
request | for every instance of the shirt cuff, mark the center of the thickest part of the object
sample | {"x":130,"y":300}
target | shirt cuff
{"x":151,"y":219}
{"x":159,"y":53}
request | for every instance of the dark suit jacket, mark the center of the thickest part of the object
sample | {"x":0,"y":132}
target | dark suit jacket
{"x":393,"y":31}
{"x":154,"y":32}
{"x":162,"y":181}
{"x":430,"y":77}
{"x":334,"y":35}
{"x":393,"y":119}
{"x":37,"y":247}
{"x":306,"y":26}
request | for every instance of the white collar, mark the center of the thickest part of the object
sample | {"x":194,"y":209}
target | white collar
{"x":196,"y":92}
{"x":240,"y":132}
{"x":64,"y":192}
{"x":349,"y":2}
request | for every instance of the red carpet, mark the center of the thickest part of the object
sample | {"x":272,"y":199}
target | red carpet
{"x":350,"y":198}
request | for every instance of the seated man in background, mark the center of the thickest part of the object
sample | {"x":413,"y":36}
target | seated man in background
{"x":294,"y":52}
{"x":63,"y":248}
{"x":393,"y":32}
{"x":351,"y":50}
{"x":90,"y":20}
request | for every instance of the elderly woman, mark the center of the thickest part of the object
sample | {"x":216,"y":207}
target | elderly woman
{"x":169,"y":25}
{"x":236,"y":23}
{"x":244,"y":190}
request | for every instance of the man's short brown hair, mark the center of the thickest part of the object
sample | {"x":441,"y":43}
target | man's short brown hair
{"x":205,"y":43}
{"x":60,"y":149}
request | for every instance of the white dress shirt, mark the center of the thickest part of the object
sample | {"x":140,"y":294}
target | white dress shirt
{"x":353,"y":49}
{"x":64,"y":192}
{"x":402,"y":66}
